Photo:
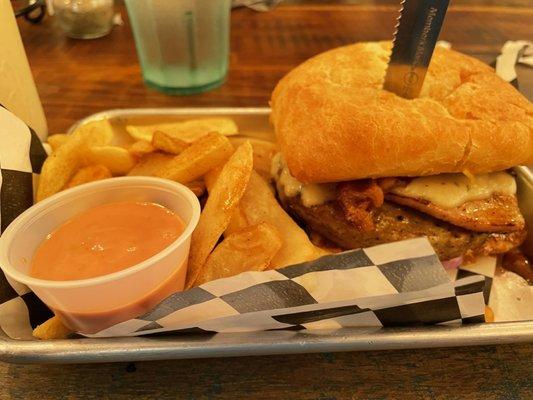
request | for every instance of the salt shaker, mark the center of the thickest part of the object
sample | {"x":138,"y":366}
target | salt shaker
{"x":84,"y":19}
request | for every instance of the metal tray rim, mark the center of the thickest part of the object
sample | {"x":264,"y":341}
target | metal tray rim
{"x":117,"y":112}
{"x":260,"y":343}
{"x":253,"y":343}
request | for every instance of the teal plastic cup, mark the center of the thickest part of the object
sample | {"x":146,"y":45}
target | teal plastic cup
{"x":183,"y":45}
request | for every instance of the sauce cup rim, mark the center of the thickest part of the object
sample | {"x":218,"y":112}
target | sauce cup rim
{"x":11,"y":231}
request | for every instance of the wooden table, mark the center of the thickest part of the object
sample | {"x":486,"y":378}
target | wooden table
{"x":78,"y":78}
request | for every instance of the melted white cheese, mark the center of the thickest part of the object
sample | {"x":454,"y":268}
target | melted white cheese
{"x":452,"y":190}
{"x":311,"y":194}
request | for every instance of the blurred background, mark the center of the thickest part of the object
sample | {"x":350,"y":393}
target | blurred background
{"x":76,"y":77}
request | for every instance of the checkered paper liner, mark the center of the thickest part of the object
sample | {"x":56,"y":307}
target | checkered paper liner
{"x":401,"y":283}
{"x":21,"y":158}
{"x":356,"y":288}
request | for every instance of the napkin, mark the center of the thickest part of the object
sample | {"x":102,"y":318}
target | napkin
{"x":257,"y":5}
{"x":513,"y":53}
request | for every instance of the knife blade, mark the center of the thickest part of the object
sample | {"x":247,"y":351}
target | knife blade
{"x":417,"y":31}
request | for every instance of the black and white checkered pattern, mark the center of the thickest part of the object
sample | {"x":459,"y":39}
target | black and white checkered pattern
{"x":401,"y":283}
{"x":484,"y":266}
{"x":21,"y":157}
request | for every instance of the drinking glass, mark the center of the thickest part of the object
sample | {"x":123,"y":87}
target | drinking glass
{"x":182,"y":45}
{"x":84,"y":19}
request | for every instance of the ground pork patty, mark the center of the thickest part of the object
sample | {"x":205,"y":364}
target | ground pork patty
{"x":393,"y":222}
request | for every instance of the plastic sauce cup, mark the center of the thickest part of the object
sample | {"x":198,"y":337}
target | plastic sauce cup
{"x":90,"y":305}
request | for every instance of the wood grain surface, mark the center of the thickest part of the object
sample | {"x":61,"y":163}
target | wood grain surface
{"x":78,"y":78}
{"x":493,"y":372}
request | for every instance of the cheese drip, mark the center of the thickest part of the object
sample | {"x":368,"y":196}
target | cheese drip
{"x":311,"y":194}
{"x":452,"y":190}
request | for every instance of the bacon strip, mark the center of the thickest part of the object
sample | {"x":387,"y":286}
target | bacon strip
{"x":358,"y":199}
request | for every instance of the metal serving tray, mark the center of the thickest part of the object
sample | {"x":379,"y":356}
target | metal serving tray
{"x":254,"y":122}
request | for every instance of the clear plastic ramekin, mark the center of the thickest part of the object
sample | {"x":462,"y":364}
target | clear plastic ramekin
{"x":90,"y":305}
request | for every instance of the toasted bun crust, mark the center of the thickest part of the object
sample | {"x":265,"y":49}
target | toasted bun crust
{"x":334,"y":122}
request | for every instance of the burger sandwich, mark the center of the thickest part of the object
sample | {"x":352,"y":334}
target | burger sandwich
{"x":362,"y":166}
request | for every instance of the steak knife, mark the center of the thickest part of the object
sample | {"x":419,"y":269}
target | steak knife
{"x":417,"y":31}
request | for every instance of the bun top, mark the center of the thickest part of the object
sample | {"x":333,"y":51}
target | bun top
{"x":334,"y":122}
